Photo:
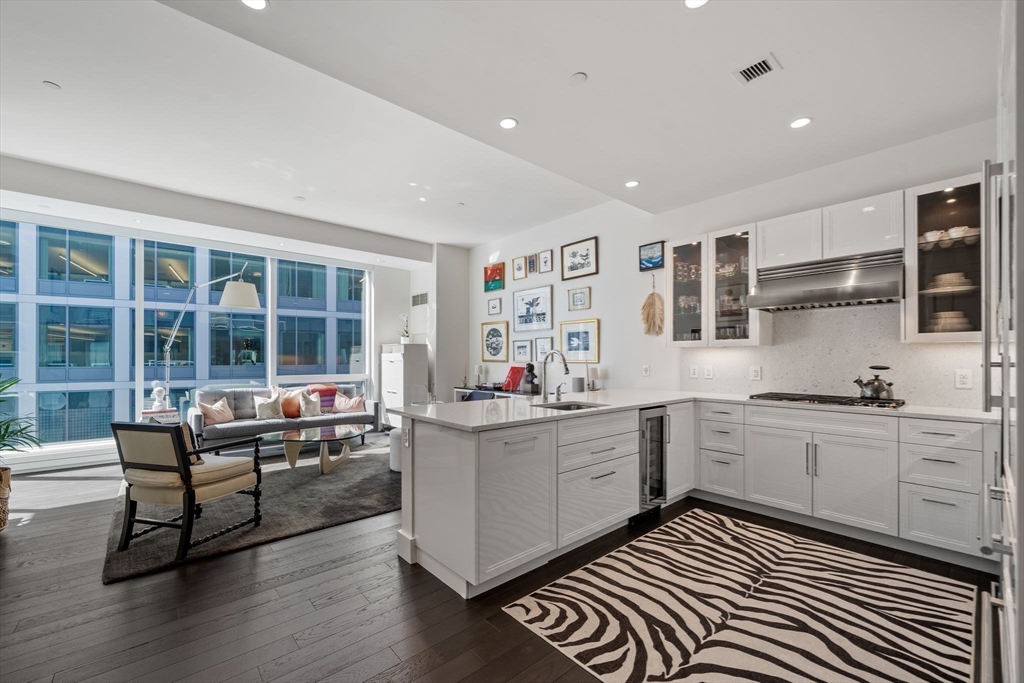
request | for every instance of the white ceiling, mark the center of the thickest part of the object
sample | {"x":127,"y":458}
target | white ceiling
{"x":660,"y":105}
{"x":153,"y":96}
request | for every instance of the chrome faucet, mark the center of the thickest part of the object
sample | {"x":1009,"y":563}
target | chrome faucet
{"x":544,"y":374}
{"x":558,"y":392}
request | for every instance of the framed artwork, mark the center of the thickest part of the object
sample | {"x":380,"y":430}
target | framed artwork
{"x":581,"y":341}
{"x":652,"y":256}
{"x":531,"y":309}
{"x":493,"y":306}
{"x":579,"y":299}
{"x":494,"y":342}
{"x":519,"y":268}
{"x":522,"y":351}
{"x":494,"y":277}
{"x":545,"y":261}
{"x":543,"y":346}
{"x":531,"y":263}
{"x":579,"y":259}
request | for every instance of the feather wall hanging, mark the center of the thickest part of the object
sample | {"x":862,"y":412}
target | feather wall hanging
{"x":653,"y":312}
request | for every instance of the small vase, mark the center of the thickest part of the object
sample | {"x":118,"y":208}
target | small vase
{"x":405,"y":340}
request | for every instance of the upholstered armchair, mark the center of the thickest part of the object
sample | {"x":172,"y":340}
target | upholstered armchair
{"x":162,"y":466}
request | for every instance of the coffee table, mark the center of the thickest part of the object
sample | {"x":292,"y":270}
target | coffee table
{"x":295,"y":439}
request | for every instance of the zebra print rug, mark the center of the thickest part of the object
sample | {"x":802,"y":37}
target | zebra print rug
{"x":711,"y":598}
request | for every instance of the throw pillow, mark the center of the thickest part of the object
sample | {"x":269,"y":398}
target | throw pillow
{"x":216,"y":414}
{"x":290,"y":402}
{"x":344,"y":404}
{"x":268,"y":408}
{"x":310,"y":405}
{"x":327,"y":392}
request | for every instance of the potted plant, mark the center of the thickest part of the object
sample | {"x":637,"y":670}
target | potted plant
{"x":404,"y":332}
{"x":15,"y":435}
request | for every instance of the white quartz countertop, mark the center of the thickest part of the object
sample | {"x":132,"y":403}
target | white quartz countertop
{"x":499,"y":413}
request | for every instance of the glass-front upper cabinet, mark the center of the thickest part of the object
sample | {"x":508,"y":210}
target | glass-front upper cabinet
{"x":685,"y":307}
{"x":943,"y":256}
{"x":708,"y":281}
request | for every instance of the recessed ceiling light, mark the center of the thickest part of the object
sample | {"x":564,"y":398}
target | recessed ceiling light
{"x":412,"y":184}
{"x":948,"y":189}
{"x":137,"y":220}
{"x":866,"y":209}
{"x":423,"y":199}
{"x":51,"y":85}
{"x":694,"y":4}
{"x":578,"y":78}
{"x":508,"y":123}
{"x":950,"y":201}
{"x":380,"y":260}
{"x":801,"y":122}
{"x":299,"y":198}
{"x":632,"y":183}
{"x":258,"y":5}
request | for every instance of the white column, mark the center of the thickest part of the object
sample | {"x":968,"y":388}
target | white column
{"x":140,"y":329}
{"x":28,"y":262}
{"x":270,"y":333}
{"x":204,"y":355}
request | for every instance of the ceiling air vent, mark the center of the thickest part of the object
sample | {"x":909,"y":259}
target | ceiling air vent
{"x":419,"y":299}
{"x":759,"y":69}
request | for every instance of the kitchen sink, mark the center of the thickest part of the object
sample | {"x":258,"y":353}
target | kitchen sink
{"x":570,"y":405}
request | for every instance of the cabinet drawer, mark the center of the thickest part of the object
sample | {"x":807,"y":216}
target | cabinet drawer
{"x":593,"y":498}
{"x":721,"y":473}
{"x":721,"y":412}
{"x":577,"y":455}
{"x":721,"y":436}
{"x":945,"y":468}
{"x":947,"y":519}
{"x":966,"y":435}
{"x":884,"y":427}
{"x":597,"y":426}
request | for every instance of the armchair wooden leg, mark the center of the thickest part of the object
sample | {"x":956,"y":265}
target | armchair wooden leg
{"x":257,"y":516}
{"x":130,"y":509}
{"x":188,"y":516}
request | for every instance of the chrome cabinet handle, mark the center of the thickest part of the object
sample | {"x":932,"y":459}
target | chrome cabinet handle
{"x":602,"y":476}
{"x":668,"y":428}
{"x":816,"y":460}
{"x":721,"y":431}
{"x":523,"y":440}
{"x":807,"y":458}
{"x":951,"y":462}
{"x":986,"y":331}
{"x":952,"y":436}
{"x":722,"y":462}
{"x":603,"y":450}
{"x":720,"y":412}
{"x":938,"y":502}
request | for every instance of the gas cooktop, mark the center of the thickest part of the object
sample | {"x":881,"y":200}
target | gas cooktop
{"x":825,"y":399}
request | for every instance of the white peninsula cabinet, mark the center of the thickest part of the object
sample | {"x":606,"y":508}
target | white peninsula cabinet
{"x":681,"y":451}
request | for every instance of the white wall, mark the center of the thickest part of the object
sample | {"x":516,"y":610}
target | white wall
{"x":443,"y":327}
{"x":923,"y":373}
{"x":390,"y":300}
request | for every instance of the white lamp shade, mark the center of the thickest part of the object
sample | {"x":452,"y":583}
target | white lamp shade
{"x":478,"y":369}
{"x":595,"y":372}
{"x":240,"y":295}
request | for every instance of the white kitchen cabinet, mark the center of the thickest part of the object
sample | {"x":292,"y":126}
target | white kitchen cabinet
{"x":685,"y":293}
{"x":517,"y":497}
{"x":856,"y":482}
{"x":863,"y":226}
{"x":789,"y":239}
{"x":592,"y":427}
{"x":723,"y":437}
{"x":403,"y":378}
{"x":777,"y":468}
{"x":947,"y":468}
{"x":577,"y":455}
{"x":943,"y":256}
{"x":730,"y":274}
{"x":594,"y":498}
{"x":721,"y":412}
{"x":721,"y":473}
{"x":947,"y":519}
{"x":681,"y":450}
{"x":864,"y":425}
{"x":944,"y":433}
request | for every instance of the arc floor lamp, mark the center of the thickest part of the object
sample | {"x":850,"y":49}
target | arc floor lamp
{"x":237,"y":294}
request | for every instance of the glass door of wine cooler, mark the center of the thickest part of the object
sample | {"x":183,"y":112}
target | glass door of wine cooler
{"x":944,"y":262}
{"x":685,"y":300}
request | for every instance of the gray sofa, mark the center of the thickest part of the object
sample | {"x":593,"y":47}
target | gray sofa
{"x":240,"y":400}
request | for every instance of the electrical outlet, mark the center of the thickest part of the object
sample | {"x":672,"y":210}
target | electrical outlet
{"x":646,"y":371}
{"x":755,"y":373}
{"x":694,"y":373}
{"x":963,"y":379}
{"x":708,"y":372}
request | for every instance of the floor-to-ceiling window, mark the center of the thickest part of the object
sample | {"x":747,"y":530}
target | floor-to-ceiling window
{"x":224,"y":263}
{"x":301,"y":348}
{"x":169,"y":270}
{"x":237,"y":343}
{"x":8,"y":256}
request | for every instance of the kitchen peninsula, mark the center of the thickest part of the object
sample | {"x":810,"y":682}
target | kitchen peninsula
{"x":493,"y":489}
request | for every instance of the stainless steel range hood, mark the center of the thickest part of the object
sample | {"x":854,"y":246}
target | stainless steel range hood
{"x":871,"y":279}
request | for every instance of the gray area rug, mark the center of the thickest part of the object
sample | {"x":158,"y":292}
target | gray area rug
{"x":294,"y":501}
{"x":710,"y":598}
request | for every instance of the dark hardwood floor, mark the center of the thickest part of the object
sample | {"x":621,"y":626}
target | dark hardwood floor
{"x":334,"y":605}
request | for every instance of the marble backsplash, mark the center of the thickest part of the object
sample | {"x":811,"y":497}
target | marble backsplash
{"x":823,"y":350}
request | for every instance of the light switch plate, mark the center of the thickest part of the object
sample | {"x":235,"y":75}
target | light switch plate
{"x":708,"y":372}
{"x":694,"y":373}
{"x":755,"y":373}
{"x":646,"y":370}
{"x":963,"y":379}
